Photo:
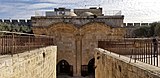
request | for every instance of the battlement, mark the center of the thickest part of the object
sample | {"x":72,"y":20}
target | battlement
{"x":132,"y":25}
{"x":22,"y":22}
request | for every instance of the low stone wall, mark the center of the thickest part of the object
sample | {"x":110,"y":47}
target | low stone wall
{"x":111,"y":65}
{"x":38,"y":63}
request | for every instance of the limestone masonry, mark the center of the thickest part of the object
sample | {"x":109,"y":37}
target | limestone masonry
{"x":111,"y":65}
{"x":38,"y":63}
{"x":76,"y":34}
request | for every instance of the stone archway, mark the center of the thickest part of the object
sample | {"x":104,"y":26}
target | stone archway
{"x":89,"y":70}
{"x":77,"y":43}
{"x":63,"y":68}
{"x":64,"y":36}
{"x":92,"y":33}
{"x":91,"y":67}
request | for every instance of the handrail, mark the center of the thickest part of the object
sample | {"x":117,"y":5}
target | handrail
{"x":142,"y":49}
{"x":15,"y":42}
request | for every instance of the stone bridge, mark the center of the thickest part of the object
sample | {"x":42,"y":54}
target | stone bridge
{"x":41,"y":63}
{"x":34,"y":56}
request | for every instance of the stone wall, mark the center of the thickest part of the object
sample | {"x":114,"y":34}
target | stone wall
{"x":110,"y":65}
{"x":78,"y":43}
{"x":113,"y":21}
{"x":38,"y":63}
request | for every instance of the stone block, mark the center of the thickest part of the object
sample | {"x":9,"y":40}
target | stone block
{"x":30,"y":64}
{"x":119,"y":67}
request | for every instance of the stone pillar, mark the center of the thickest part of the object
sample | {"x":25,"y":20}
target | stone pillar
{"x":78,"y":54}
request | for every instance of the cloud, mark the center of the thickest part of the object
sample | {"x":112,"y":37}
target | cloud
{"x":41,"y":6}
{"x":62,"y":1}
{"x":23,"y":9}
{"x":134,"y":10}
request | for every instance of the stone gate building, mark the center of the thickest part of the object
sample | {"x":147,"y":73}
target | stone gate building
{"x":76,"y":33}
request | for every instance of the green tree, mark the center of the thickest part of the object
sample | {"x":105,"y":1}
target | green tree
{"x":155,"y":27}
{"x":25,"y":29}
{"x":143,"y":31}
{"x":4,"y":27}
{"x":15,"y":28}
{"x":148,"y":31}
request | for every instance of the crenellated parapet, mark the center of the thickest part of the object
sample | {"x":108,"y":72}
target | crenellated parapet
{"x":134,"y":25}
{"x":23,"y":22}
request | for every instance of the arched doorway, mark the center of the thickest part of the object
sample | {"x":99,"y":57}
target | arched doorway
{"x":88,"y":70}
{"x":91,"y":68}
{"x":63,"y":68}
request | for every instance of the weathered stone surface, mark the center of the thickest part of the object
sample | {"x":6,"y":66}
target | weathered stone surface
{"x":78,"y":43}
{"x":31,"y":64}
{"x":43,"y":21}
{"x":110,"y":65}
{"x":77,"y":37}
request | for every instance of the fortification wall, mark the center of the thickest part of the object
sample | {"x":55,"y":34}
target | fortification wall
{"x":38,"y":63}
{"x":110,"y":65}
{"x":23,"y":22}
{"x":113,"y":21}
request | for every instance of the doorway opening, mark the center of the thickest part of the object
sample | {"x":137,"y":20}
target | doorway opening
{"x":91,"y":68}
{"x":88,"y":70}
{"x":63,"y":68}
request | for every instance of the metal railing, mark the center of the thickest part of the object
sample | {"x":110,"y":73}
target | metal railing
{"x":142,"y":49}
{"x":13,"y":42}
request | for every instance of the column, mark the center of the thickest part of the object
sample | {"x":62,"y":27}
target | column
{"x":78,"y":54}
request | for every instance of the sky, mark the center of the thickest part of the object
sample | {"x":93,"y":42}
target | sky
{"x":140,"y":11}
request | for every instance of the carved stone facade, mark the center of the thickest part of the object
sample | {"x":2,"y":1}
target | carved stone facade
{"x":76,"y":41}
